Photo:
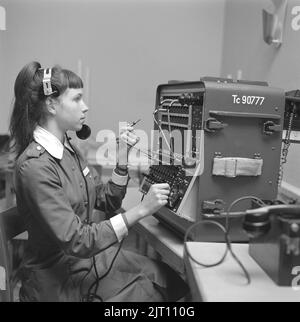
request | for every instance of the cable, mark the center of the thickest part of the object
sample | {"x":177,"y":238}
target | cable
{"x":226,"y":231}
{"x":260,"y":203}
{"x":159,"y":127}
{"x":81,"y":284}
{"x":91,"y":296}
{"x":147,"y":153}
{"x":170,"y":131}
{"x":97,"y":277}
{"x":84,"y":179}
{"x":169,"y":124}
{"x":228,"y":249}
{"x":176,"y":156}
{"x":227,"y":227}
{"x":88,"y":208}
{"x":88,"y":271}
{"x":186,"y":236}
{"x":258,"y":200}
{"x":161,"y":131}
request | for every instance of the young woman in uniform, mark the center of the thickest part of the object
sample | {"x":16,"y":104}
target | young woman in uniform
{"x":69,"y":257}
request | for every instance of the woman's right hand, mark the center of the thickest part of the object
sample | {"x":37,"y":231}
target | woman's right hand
{"x":156,"y":198}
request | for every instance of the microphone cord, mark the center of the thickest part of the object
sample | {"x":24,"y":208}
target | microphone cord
{"x":88,"y":203}
{"x":91,"y":296}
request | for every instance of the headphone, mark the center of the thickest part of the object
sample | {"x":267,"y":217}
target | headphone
{"x":85,"y":132}
{"x":47,"y":87}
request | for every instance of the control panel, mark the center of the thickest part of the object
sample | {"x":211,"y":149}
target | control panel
{"x":174,"y":175}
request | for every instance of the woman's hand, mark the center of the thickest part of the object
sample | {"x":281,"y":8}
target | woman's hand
{"x":126,"y":141}
{"x":128,"y":137}
{"x":156,"y":198}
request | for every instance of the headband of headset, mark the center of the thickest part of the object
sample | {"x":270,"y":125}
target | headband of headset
{"x":47,"y":82}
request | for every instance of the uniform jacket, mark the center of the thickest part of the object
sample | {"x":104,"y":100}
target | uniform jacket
{"x":52,"y":198}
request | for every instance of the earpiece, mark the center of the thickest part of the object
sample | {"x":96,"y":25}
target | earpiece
{"x":47,"y":82}
{"x":256,"y":225}
{"x":257,"y":222}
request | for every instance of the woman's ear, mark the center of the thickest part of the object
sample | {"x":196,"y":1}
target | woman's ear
{"x":51,"y":104}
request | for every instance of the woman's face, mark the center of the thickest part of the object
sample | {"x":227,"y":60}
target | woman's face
{"x":71,"y":109}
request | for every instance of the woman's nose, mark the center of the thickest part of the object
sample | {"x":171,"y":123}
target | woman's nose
{"x":84,"y":107}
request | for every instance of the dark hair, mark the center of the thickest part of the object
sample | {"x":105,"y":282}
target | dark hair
{"x":29,"y":103}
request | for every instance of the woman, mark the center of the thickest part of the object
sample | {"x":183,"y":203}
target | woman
{"x":69,"y":257}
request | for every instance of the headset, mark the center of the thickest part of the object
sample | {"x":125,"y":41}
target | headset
{"x":85,"y":132}
{"x":47,"y":88}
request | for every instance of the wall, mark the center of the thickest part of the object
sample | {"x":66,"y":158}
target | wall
{"x":122,"y":49}
{"x":246,"y":55}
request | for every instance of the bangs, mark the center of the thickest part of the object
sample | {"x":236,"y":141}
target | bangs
{"x":71,"y":80}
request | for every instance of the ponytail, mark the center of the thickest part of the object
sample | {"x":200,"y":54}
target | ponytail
{"x":29,"y":107}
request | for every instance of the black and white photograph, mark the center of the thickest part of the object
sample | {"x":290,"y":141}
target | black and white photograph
{"x":149,"y":153}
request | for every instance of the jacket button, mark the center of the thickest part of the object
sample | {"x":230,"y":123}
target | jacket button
{"x":81,"y":184}
{"x":73,"y":168}
{"x":39,"y":148}
{"x":85,"y":203}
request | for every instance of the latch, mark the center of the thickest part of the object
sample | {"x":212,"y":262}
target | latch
{"x":212,"y":124}
{"x":270,"y":127}
{"x":213,"y":206}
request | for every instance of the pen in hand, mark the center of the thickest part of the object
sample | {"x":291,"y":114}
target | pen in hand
{"x":134,"y":123}
{"x":130,"y":125}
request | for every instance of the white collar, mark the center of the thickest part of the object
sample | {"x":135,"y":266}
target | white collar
{"x":50,"y":142}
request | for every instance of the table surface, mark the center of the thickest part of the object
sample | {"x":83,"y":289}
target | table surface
{"x":227,"y":282}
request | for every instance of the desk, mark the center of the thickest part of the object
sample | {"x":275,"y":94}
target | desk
{"x":227,"y":283}
{"x":164,"y":242}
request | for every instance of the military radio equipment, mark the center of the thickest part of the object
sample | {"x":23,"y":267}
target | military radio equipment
{"x":216,"y":140}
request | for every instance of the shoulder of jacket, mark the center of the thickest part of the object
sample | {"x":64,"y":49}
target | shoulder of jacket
{"x":34,"y":150}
